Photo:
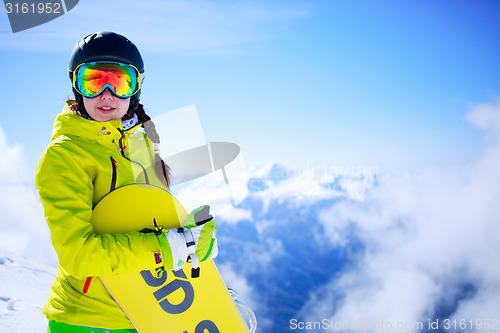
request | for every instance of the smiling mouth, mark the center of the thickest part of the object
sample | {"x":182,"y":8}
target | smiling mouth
{"x":106,"y":108}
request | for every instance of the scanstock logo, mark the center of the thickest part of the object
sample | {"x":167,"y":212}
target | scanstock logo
{"x":26,"y":14}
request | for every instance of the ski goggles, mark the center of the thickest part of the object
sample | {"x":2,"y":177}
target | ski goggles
{"x":92,"y":78}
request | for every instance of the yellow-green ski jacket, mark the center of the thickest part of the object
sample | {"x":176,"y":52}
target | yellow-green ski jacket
{"x":85,"y":161}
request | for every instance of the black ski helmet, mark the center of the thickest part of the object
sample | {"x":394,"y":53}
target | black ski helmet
{"x":102,"y":46}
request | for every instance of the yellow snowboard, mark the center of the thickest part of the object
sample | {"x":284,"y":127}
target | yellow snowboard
{"x":173,"y":302}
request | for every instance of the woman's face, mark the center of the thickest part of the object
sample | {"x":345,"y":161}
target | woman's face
{"x":106,"y":106}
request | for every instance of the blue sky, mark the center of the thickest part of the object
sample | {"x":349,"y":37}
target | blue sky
{"x":391,"y":86}
{"x":372,"y":83}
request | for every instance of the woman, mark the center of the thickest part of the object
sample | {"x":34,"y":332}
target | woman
{"x":101,"y":141}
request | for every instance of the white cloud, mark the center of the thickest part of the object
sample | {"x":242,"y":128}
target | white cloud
{"x":23,"y":229}
{"x":485,"y":116}
{"x":11,"y":161}
{"x":210,"y":190}
{"x":426,"y":236}
{"x":247,"y":299}
{"x":238,"y":283}
{"x":310,"y":183}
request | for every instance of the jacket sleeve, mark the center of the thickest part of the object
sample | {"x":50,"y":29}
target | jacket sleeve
{"x":65,"y":185}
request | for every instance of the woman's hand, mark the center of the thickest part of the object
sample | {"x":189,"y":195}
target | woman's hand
{"x":195,"y":241}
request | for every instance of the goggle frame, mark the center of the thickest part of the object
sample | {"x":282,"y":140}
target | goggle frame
{"x":139,"y":78}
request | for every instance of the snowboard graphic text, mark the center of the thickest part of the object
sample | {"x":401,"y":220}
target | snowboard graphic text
{"x":181,"y":282}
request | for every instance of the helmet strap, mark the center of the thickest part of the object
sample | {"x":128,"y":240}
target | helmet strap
{"x":79,"y":103}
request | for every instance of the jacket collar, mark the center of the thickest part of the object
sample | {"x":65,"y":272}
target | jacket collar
{"x":69,"y":123}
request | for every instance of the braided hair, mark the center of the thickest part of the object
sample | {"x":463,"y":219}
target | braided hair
{"x":161,"y":168}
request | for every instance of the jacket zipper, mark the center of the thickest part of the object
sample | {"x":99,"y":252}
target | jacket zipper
{"x":113,"y":177}
{"x":122,"y":151}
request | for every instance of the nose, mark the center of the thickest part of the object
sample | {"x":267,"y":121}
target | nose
{"x":106,"y":94}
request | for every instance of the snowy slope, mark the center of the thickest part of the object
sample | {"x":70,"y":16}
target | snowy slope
{"x":24,"y":288}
